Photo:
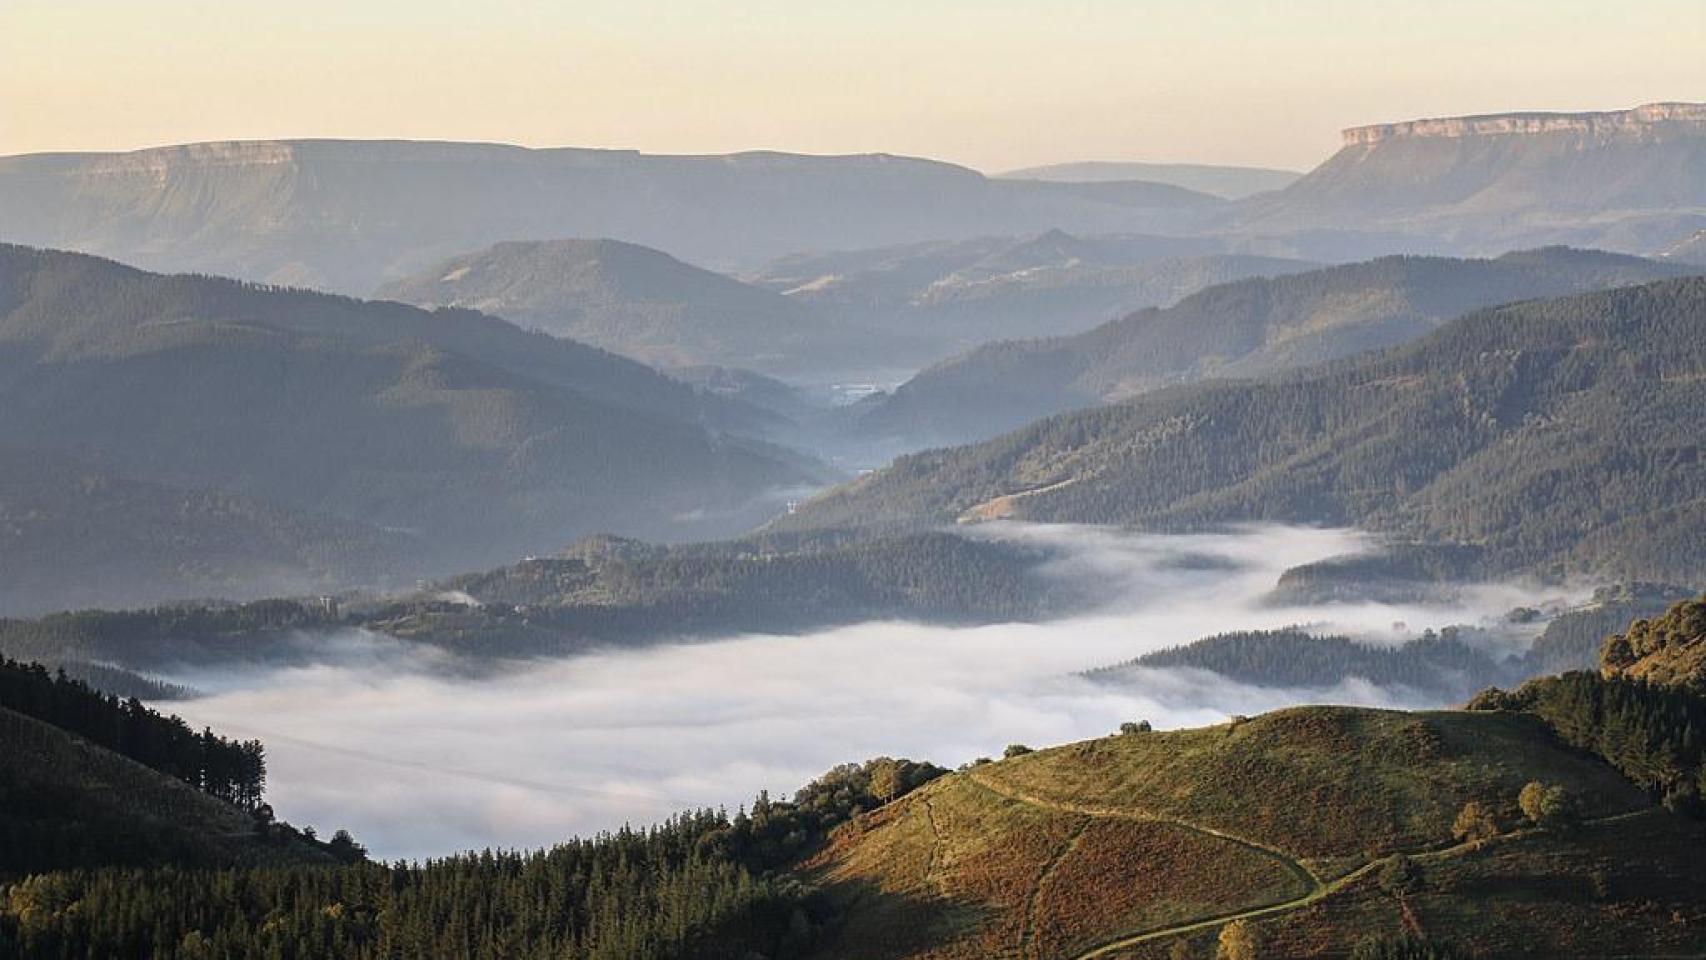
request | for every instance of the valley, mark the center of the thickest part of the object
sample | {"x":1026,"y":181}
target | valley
{"x":1076,"y":482}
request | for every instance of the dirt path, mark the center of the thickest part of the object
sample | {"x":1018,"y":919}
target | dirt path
{"x":935,"y":845}
{"x":1327,"y":890}
{"x":1310,"y":879}
{"x":1318,"y":888}
{"x":1028,"y":935}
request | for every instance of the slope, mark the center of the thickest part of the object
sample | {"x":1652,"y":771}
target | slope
{"x":1254,"y":327}
{"x":1547,"y":436}
{"x":66,"y":802}
{"x":628,"y":299}
{"x":1134,"y":843}
{"x":1627,"y":180}
{"x":77,"y":536}
{"x":478,"y":439}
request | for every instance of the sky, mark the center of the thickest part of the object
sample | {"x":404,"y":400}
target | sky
{"x":993,"y":84}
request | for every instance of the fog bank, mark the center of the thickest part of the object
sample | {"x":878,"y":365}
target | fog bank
{"x":417,"y":763}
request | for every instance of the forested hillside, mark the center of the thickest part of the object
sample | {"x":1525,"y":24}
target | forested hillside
{"x":1251,"y":328}
{"x":88,"y":780}
{"x":598,"y":592}
{"x":634,"y":301}
{"x":1552,"y":436}
{"x":333,"y":433}
{"x":702,"y":886}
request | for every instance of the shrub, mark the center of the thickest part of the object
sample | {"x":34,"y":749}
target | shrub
{"x":1551,"y":807}
{"x":1474,"y":824}
{"x":1015,"y":750}
{"x":1238,"y":941}
{"x":1140,"y":726}
{"x":1400,"y":875}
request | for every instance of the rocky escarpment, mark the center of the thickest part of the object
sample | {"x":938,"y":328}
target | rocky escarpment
{"x":1628,"y":180}
{"x":1649,"y":120}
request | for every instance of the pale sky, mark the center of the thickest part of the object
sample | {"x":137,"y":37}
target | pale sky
{"x":994,"y":84}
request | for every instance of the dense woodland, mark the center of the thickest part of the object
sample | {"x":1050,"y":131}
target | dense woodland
{"x":1253,"y":327}
{"x":1441,"y":663}
{"x":602,"y":590}
{"x":1450,"y":664}
{"x":1557,"y":436}
{"x":231,"y":770}
{"x":702,"y":885}
{"x":1648,"y":723}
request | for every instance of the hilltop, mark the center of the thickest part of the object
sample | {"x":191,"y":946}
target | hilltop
{"x":625,"y":298}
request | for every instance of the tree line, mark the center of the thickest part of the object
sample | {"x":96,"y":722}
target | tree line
{"x":232,"y":770}
{"x":701,"y":886}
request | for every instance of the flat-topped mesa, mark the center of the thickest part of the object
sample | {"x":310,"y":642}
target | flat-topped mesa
{"x":1643,"y":120}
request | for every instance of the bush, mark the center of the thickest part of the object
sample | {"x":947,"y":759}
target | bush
{"x":1400,"y":875}
{"x":1130,"y":727}
{"x":1239,"y":941}
{"x":1474,"y":824}
{"x":1015,"y":750}
{"x":1551,"y":807}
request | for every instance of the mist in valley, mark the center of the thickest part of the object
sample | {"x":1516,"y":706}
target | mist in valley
{"x":390,"y":741}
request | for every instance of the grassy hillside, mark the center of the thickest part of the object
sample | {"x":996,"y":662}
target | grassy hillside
{"x":1250,"y":328}
{"x":1549,"y":436}
{"x":1130,"y":845}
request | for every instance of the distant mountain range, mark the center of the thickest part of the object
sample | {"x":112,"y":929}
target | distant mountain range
{"x":1232,"y":183}
{"x":283,"y":426}
{"x":349,"y":215}
{"x":1250,"y":328}
{"x":1553,"y":437}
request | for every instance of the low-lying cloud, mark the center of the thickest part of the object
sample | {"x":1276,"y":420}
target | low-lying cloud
{"x":417,"y":763}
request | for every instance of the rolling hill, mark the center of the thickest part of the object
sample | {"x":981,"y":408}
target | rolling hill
{"x":471,"y":437}
{"x":1249,"y":328}
{"x":631,"y":300}
{"x":1149,"y":844}
{"x":348,"y":215}
{"x":1548,"y":436}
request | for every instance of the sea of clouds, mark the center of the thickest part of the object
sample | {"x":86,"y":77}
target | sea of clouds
{"x":373,"y":736}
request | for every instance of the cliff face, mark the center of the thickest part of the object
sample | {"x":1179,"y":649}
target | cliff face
{"x":1653,"y":120}
{"x":1629,"y":180}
